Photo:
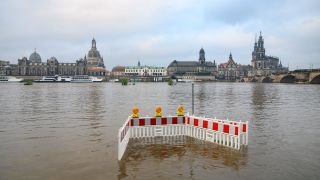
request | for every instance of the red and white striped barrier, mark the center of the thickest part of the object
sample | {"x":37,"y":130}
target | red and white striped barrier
{"x":152,"y":121}
{"x":123,"y":138}
{"x":224,"y":132}
{"x":228,"y":133}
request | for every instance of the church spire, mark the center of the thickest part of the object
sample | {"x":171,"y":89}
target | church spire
{"x":255,"y":38}
{"x":93,"y":44}
{"x":230,"y":56}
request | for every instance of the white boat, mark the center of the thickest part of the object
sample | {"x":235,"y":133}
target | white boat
{"x":48,"y":79}
{"x":55,"y":78}
{"x":65,"y":79}
{"x":10,"y":79}
{"x":114,"y":80}
{"x":81,"y":79}
{"x":187,"y":80}
{"x":96,"y":79}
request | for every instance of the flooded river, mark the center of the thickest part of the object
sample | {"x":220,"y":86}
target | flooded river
{"x":69,"y":131}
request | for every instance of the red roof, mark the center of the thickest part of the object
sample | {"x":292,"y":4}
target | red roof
{"x":96,"y":69}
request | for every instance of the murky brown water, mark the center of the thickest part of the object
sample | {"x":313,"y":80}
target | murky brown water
{"x":68,"y":131}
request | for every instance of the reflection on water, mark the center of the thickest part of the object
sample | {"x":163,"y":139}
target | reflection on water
{"x":154,"y":152}
{"x":69,"y":131}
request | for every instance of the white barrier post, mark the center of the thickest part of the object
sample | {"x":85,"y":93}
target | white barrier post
{"x":247,"y":133}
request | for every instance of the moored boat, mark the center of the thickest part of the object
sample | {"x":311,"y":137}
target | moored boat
{"x":96,"y":79}
{"x":81,"y":79}
{"x":114,"y":80}
{"x":65,"y":79}
{"x":55,"y":79}
{"x":10,"y":79}
{"x":48,"y":79}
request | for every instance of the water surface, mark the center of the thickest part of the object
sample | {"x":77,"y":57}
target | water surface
{"x":68,"y":131}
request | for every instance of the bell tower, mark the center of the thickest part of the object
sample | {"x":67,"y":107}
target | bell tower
{"x":258,"y":53}
{"x":202,"y":57}
{"x":261,"y":52}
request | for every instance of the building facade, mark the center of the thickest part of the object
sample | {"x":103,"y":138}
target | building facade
{"x":95,"y":64}
{"x":34,"y":66}
{"x":192,"y":68}
{"x":232,"y":71}
{"x":145,"y":71}
{"x":228,"y":70}
{"x":4,"y":67}
{"x":52,"y":67}
{"x":263,"y":64}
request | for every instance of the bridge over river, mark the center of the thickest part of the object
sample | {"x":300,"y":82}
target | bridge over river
{"x":307,"y":76}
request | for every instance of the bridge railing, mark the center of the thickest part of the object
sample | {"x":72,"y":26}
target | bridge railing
{"x":228,"y":133}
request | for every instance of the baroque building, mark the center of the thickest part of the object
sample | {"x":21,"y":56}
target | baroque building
{"x":35,"y":57}
{"x":263,"y":64}
{"x":4,"y":67}
{"x":192,"y":68}
{"x":95,"y":64}
{"x":228,"y":70}
{"x":34,"y":66}
{"x":50,"y":68}
{"x":231,"y":70}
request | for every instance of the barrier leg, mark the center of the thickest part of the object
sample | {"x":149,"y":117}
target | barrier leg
{"x":231,"y":141}
{"x":247,"y":132}
{"x":236,"y":142}
{"x":228,"y":141}
{"x":223,"y":139}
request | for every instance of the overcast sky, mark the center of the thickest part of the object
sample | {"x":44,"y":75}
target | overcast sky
{"x":159,"y":31}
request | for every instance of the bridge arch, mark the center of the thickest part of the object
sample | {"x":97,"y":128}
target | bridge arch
{"x":267,"y":80}
{"x":253,"y":80}
{"x":315,"y":80}
{"x":288,"y":79}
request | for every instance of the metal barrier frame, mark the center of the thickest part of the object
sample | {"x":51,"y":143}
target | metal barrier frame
{"x":228,"y":133}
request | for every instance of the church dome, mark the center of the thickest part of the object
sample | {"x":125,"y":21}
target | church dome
{"x":35,"y":57}
{"x":201,"y":50}
{"x":94,"y":53}
{"x":94,"y":57}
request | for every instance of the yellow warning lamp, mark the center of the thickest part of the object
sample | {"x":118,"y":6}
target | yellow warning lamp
{"x":158,"y":111}
{"x":180,"y":111}
{"x":135,"y":112}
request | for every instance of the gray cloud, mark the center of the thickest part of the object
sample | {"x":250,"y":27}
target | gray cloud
{"x":156,"y":32}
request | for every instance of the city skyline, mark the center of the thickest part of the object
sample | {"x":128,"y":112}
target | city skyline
{"x":158,"y":32}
